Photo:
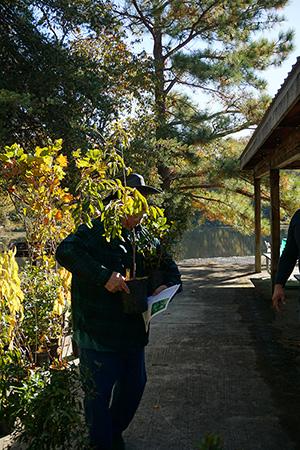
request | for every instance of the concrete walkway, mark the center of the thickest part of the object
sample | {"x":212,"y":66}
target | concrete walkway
{"x":219,"y":361}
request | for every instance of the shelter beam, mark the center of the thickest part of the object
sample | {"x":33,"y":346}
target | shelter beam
{"x":257,"y":213}
{"x":275,"y":222}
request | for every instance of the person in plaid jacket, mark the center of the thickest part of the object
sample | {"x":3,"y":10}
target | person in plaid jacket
{"x":110,"y":342}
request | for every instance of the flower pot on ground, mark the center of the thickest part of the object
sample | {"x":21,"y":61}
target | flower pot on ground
{"x":5,"y":427}
{"x":136,"y":301}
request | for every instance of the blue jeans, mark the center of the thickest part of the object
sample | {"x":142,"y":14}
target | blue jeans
{"x":114,"y":383}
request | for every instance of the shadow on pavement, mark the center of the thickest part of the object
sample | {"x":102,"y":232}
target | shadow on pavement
{"x":216,"y":364}
{"x":277,"y":344}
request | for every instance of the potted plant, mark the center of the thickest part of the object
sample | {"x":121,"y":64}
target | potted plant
{"x":50,"y":409}
{"x":46,"y":307}
{"x":12,"y":366}
{"x":40,"y":400}
{"x":13,"y":372}
{"x":33,"y":180}
{"x":110,"y":191}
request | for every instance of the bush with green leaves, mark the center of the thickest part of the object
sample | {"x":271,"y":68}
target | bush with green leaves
{"x":13,"y":372}
{"x":51,"y":410}
{"x":40,"y":323}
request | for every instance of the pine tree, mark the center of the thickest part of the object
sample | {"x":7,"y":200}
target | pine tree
{"x":212,"y":46}
{"x":215,"y":50}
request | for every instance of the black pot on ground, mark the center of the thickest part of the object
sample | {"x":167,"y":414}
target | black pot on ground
{"x":136,"y":301}
{"x":5,"y":427}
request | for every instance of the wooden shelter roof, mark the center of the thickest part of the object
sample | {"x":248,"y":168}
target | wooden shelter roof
{"x":275,"y":143}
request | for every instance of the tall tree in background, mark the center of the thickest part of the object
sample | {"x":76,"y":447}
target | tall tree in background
{"x":213,"y":46}
{"x":65,"y":71}
{"x":215,"y":49}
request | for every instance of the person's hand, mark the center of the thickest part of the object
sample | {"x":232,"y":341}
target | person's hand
{"x":116,"y":283}
{"x":160,"y":288}
{"x":278,"y":298}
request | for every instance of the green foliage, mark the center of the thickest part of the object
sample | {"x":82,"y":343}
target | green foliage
{"x":211,"y":442}
{"x":223,"y":193}
{"x":67,"y":72}
{"x":102,"y":189}
{"x":33,"y":306}
{"x":102,"y":194}
{"x":41,"y":323}
{"x":13,"y":371}
{"x":51,"y":410}
{"x":225,"y":64}
{"x":71,"y":69}
{"x":30,"y":396}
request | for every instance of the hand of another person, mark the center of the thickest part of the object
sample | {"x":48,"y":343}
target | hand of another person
{"x":160,"y":288}
{"x":278,"y":298}
{"x":116,"y":283}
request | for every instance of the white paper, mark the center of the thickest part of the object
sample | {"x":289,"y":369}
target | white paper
{"x":159,"y":303}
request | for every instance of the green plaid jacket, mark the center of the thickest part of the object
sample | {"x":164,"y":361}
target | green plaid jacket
{"x":95,"y":311}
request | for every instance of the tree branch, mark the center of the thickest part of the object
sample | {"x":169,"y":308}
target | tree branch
{"x":210,"y":199}
{"x":204,"y":88}
{"x":222,"y":186}
{"x":172,"y":83}
{"x":221,"y":202}
{"x":192,"y":33}
{"x":147,"y":23}
{"x":49,"y":24}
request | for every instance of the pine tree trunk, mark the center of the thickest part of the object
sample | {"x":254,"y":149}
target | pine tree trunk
{"x":160,"y":100}
{"x":160,"y":97}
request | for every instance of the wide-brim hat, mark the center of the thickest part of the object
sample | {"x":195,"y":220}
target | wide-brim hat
{"x":135,"y":180}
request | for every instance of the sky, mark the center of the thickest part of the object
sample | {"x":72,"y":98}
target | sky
{"x":276,"y":76}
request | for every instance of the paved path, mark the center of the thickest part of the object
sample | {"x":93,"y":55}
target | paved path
{"x":219,"y":361}
{"x":216,"y":364}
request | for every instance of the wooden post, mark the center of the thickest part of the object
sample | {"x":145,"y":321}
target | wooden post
{"x":275,"y":222}
{"x":257,"y":212}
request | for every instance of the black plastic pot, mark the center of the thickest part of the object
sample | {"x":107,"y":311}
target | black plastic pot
{"x":53,"y":347}
{"x":41,"y":358}
{"x":136,"y":301}
{"x":5,"y":427}
{"x":156,"y":279}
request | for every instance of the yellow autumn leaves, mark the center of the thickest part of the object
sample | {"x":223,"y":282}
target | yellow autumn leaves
{"x":33,"y":180}
{"x":63,"y":292}
{"x":12,"y":296}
